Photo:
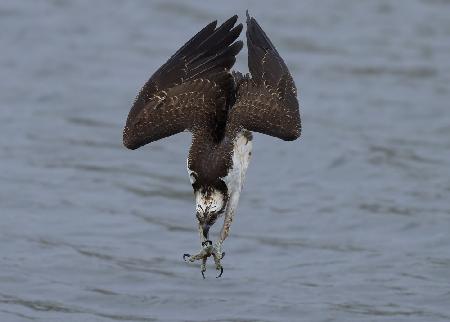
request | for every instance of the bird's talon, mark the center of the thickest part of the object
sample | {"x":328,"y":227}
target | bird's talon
{"x":186,"y":255}
{"x":221,"y":272}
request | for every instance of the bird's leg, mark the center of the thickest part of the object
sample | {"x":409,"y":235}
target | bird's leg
{"x":224,"y":233}
{"x":217,"y":252}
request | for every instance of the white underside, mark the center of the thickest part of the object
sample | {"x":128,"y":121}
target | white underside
{"x":235,"y":178}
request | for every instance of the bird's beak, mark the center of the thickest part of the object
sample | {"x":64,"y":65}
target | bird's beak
{"x":205,"y":228}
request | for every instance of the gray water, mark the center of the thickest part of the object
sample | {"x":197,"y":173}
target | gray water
{"x":349,"y":223}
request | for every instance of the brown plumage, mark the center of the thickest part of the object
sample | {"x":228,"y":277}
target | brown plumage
{"x":195,"y":91}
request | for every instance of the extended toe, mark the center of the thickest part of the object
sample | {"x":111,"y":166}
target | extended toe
{"x":221,"y":272}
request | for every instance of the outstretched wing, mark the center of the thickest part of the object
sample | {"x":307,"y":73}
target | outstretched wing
{"x":191,"y":88}
{"x":266,"y":102}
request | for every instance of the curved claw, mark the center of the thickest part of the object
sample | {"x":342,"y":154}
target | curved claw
{"x":221,"y":272}
{"x":223,"y":254}
{"x":203,"y":274}
{"x":186,"y":255}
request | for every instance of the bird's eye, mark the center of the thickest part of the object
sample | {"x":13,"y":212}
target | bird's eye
{"x":193,"y":177}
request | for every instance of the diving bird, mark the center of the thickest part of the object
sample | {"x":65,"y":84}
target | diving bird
{"x":195,"y":91}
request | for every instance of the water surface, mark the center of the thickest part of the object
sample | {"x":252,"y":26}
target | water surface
{"x":350,"y":223}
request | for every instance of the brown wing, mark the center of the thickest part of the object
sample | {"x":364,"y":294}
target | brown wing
{"x":267,"y":102}
{"x":191,"y":88}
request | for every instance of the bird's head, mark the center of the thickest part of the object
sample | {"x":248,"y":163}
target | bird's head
{"x":210,"y":204}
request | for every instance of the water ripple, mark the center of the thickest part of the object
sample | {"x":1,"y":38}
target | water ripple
{"x":53,"y":306}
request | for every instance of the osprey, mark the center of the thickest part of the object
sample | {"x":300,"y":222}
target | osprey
{"x":195,"y":91}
